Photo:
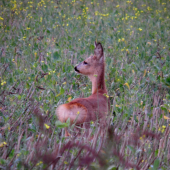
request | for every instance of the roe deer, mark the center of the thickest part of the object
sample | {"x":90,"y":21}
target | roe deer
{"x":97,"y":105}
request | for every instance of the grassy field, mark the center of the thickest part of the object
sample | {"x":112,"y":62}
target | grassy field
{"x":42,"y":41}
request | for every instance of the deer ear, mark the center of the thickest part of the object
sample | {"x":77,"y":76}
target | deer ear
{"x":95,"y":44}
{"x":98,"y":51}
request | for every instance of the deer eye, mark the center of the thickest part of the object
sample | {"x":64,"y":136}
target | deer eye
{"x":84,"y":62}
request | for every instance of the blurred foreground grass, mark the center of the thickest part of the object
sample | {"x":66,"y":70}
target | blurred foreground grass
{"x":41,"y":42}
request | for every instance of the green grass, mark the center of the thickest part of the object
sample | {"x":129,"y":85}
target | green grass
{"x":42,"y":41}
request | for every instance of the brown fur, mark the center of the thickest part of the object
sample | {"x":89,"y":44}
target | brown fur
{"x":95,"y":106}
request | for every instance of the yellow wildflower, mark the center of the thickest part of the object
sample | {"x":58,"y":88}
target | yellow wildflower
{"x":3,"y":144}
{"x":47,"y":127}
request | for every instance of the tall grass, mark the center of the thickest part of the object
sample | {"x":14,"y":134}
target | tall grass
{"x":41,"y":42}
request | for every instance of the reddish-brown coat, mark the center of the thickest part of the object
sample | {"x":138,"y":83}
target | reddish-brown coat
{"x":96,"y":106}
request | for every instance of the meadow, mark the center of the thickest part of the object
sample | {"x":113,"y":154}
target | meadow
{"x":42,"y":41}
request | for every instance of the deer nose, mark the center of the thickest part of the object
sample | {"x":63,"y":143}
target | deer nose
{"x":75,"y":68}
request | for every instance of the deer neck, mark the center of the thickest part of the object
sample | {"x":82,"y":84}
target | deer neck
{"x":98,"y":82}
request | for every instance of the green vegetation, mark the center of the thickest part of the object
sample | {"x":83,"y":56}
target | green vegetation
{"x":42,"y":41}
